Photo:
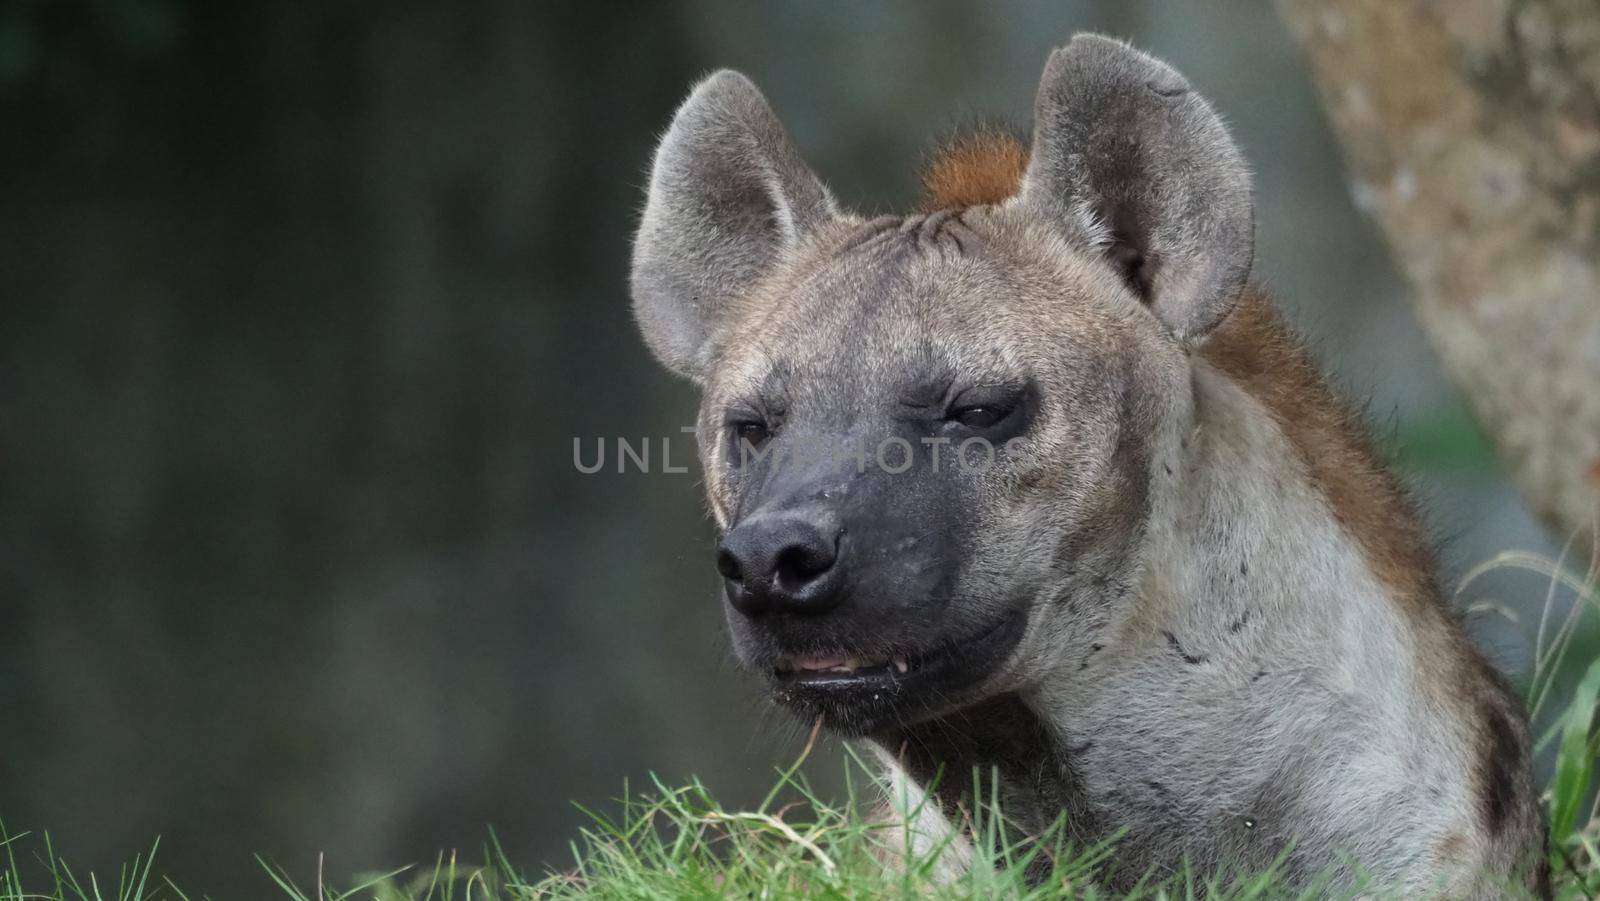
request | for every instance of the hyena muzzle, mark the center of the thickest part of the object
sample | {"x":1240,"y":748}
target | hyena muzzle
{"x":1035,"y":481}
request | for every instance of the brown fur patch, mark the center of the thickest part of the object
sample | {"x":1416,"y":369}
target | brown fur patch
{"x":974,"y":170}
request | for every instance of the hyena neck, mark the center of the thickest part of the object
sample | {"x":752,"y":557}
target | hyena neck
{"x":999,"y":752}
{"x":1306,"y":438}
{"x":998,"y":769}
{"x":1277,"y":539}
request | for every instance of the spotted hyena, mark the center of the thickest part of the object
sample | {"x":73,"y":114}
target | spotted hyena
{"x":1158,"y":581}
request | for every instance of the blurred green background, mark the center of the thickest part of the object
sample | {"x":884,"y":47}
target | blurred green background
{"x":301,"y":307}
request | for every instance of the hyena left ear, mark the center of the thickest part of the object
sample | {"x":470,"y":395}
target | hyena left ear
{"x":1127,"y":157}
{"x":728,"y":195}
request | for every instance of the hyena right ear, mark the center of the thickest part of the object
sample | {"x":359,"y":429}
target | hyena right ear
{"x":1128,"y":158}
{"x":728,"y":195}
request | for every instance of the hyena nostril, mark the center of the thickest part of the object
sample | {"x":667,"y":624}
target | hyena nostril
{"x":728,"y":566}
{"x":801,"y":563}
{"x":782,"y":562}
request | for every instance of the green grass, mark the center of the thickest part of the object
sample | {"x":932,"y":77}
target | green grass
{"x":679,"y":842}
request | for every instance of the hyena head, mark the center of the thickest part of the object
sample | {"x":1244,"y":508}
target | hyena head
{"x":933,"y":443}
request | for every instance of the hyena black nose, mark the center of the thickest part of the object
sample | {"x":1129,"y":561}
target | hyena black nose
{"x":782,"y":563}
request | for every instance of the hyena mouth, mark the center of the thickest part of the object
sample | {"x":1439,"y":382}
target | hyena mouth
{"x":858,"y":693}
{"x":818,"y":668}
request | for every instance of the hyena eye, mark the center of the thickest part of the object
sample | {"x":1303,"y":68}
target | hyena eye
{"x":984,"y":407}
{"x":980,"y":417}
{"x":750,"y":432}
{"x":995,"y":412}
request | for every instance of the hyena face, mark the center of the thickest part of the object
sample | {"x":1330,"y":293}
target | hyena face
{"x":921,"y":427}
{"x":932,"y":442}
